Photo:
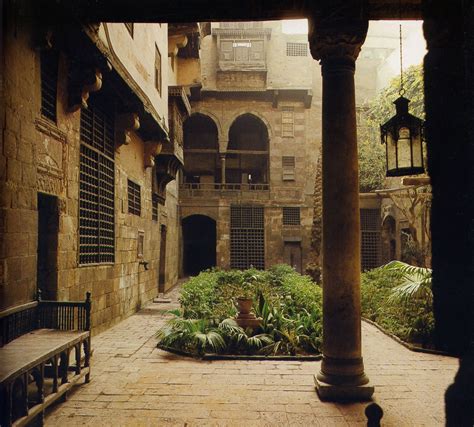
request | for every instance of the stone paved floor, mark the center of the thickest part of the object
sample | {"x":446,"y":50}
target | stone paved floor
{"x":133,"y":383}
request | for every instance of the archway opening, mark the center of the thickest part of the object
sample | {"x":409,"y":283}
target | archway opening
{"x":247,"y":153}
{"x":199,"y":244}
{"x":201,"y":150}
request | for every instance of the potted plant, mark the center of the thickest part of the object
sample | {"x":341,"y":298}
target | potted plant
{"x":244,"y":302}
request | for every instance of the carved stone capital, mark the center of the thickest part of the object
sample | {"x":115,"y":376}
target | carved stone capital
{"x":151,"y":150}
{"x":124,"y":124}
{"x":337,"y":45}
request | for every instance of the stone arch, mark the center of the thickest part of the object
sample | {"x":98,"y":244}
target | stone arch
{"x":241,"y":112}
{"x":213,"y":117}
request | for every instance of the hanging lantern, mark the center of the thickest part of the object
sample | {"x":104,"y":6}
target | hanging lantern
{"x":403,"y":137}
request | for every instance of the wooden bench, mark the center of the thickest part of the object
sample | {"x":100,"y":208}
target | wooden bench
{"x":35,"y":346}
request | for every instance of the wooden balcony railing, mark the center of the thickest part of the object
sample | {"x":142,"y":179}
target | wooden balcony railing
{"x":246,"y":191}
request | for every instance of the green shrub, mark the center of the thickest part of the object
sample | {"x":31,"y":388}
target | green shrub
{"x":289,"y":304}
{"x":411,"y":319}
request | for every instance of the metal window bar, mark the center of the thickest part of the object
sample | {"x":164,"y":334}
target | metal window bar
{"x":370,"y":238}
{"x":296,"y":49}
{"x":154,"y":209}
{"x":247,"y":237}
{"x":49,"y":60}
{"x":291,"y":216}
{"x":134,"y":198}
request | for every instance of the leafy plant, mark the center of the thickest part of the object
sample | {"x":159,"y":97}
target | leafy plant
{"x":416,"y":283}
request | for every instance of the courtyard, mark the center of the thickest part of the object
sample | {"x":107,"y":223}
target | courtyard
{"x":134,"y":383}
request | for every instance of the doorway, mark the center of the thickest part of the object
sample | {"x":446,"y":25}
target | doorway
{"x":162,"y":268}
{"x":47,"y":256}
{"x":199,"y":242}
{"x":292,"y":255}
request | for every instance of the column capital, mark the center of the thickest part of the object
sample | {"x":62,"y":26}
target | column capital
{"x":337,"y":43}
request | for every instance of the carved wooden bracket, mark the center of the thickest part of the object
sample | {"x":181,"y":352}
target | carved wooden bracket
{"x":166,"y":169}
{"x":152,"y":149}
{"x":82,"y":81}
{"x":124,"y":124}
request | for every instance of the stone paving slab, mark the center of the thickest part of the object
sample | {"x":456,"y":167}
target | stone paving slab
{"x":135,"y":384}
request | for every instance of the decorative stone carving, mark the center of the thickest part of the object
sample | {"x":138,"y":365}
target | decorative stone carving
{"x":340,"y":43}
{"x":152,"y":149}
{"x":82,"y":81}
{"x":124,"y":124}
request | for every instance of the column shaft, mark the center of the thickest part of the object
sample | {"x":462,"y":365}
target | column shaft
{"x":342,"y":371}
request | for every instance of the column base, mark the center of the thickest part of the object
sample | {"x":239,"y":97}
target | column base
{"x":342,"y":392}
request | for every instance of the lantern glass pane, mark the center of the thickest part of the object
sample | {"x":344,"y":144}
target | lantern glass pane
{"x":391,"y":152}
{"x":417,"y":152}
{"x":404,"y":149}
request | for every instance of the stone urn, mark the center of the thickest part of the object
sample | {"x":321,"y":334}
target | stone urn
{"x":245,"y":318}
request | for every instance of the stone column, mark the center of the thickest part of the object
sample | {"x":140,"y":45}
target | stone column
{"x":222,"y":157}
{"x":449,"y":106}
{"x":342,"y":371}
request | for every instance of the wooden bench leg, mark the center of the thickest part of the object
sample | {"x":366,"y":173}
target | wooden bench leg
{"x":64,"y":365}
{"x":87,"y":357}
{"x":39,"y":380}
{"x":54,"y":361}
{"x":77,"y":349}
{"x":7,"y":404}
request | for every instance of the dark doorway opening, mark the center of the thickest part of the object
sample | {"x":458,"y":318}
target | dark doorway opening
{"x":199,"y":242}
{"x":162,"y":268}
{"x":47,"y":259}
{"x":292,"y":255}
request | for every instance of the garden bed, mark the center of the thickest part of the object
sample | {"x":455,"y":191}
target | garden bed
{"x":287,"y":304}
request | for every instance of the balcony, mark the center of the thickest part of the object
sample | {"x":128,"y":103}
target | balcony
{"x":228,"y":191}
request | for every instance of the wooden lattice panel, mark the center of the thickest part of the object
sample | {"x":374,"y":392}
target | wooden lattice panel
{"x":134,"y":198}
{"x":247,"y":237}
{"x":49,"y":83}
{"x":370,"y":238}
{"x":291,"y":216}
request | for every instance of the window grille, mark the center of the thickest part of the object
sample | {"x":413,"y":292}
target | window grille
{"x":96,"y":207}
{"x":370,"y":238}
{"x":296,"y":49}
{"x":154,"y":207}
{"x":134,"y":198}
{"x":157,"y":69}
{"x":130,"y":27}
{"x":288,"y":166}
{"x":291,"y":216}
{"x":287,"y":122}
{"x":247,"y":237}
{"x":49,"y":83}
{"x":97,"y":129}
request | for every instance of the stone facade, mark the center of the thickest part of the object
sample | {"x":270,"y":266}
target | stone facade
{"x":265,"y":90}
{"x":42,"y":169}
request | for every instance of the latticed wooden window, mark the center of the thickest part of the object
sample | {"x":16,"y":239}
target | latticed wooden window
{"x":134,"y":198}
{"x":154,"y":207}
{"x":288,"y":167}
{"x":291,"y":216}
{"x":96,"y":188}
{"x":287,"y":122}
{"x":370,"y":238}
{"x":296,"y":49}
{"x":157,"y":69}
{"x":49,"y":83}
{"x":247,"y":237}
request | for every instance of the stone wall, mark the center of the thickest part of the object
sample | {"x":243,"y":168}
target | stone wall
{"x":40,"y":156}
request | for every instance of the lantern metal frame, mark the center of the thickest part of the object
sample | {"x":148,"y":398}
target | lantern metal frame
{"x":403,"y":119}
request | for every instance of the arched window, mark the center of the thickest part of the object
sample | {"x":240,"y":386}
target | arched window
{"x":247,"y":156}
{"x":201,"y":150}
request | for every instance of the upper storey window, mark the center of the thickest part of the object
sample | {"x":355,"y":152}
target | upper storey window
{"x":241,"y":46}
{"x":242,"y":50}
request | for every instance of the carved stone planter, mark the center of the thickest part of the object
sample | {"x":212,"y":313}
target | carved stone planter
{"x":245,"y":318}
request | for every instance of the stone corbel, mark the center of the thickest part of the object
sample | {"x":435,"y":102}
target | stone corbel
{"x":175,"y":43}
{"x":83,"y":80}
{"x":152,"y":149}
{"x":124,"y":124}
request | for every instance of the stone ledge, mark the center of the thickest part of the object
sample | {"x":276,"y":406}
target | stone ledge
{"x":51,"y":129}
